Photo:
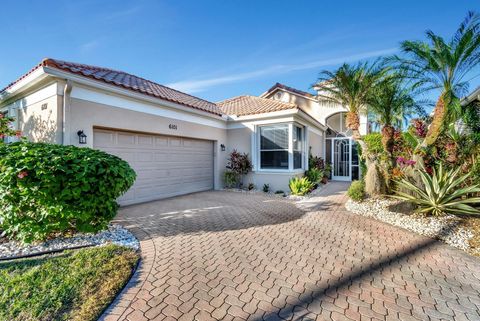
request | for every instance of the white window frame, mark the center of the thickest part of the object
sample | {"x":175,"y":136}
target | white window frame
{"x":302,"y":148}
{"x":258,"y":160}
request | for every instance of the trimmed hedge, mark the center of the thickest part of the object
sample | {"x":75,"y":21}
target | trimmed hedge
{"x":48,"y":188}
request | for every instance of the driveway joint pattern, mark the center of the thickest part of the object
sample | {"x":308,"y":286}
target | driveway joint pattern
{"x":235,"y":256}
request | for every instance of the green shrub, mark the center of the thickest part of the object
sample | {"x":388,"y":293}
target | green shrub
{"x":441,"y":193}
{"x":362,"y":162}
{"x":315,"y":175}
{"x":47,"y":188}
{"x":300,"y":186}
{"x":356,"y":191}
{"x":230,"y":179}
{"x":374,"y":143}
{"x":6,"y":128}
{"x":266,"y":188}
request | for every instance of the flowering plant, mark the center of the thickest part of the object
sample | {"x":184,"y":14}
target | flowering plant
{"x":405,"y":162}
{"x":419,"y":127}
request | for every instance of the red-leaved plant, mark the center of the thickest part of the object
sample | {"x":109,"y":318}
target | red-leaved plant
{"x":239,"y":164}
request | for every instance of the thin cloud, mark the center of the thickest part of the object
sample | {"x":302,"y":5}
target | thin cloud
{"x":89,"y":46}
{"x":195,"y":86}
{"x":122,"y":13}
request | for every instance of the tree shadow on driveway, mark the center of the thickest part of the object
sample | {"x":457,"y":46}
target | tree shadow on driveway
{"x":212,"y":211}
{"x":362,"y":280}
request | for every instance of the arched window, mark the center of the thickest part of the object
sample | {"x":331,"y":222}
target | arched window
{"x":337,"y":125}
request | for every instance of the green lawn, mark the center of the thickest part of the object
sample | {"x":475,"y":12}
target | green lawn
{"x":75,"y":285}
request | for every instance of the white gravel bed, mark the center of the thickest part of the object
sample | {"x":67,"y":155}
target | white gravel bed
{"x":255,"y":192}
{"x":115,"y":234}
{"x":286,"y":194}
{"x":443,"y":228}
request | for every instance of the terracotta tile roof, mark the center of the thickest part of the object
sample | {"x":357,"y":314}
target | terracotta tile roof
{"x":127,"y":81}
{"x":251,"y":105}
{"x":294,"y":90}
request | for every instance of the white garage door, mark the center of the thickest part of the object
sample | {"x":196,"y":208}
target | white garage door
{"x":165,"y":165}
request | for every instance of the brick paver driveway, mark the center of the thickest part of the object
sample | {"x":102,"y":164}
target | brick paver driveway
{"x":231,"y":256}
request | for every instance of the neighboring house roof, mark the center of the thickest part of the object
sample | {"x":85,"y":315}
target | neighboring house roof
{"x":127,"y":81}
{"x":251,"y":105}
{"x":287,"y":88}
{"x":474,"y":95}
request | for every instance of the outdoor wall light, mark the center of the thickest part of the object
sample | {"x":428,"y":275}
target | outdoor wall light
{"x":222,"y":147}
{"x":82,"y":138}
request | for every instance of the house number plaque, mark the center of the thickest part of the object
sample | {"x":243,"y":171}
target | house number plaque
{"x":172,"y":126}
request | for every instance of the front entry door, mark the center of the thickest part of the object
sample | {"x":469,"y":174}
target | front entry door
{"x":342,"y":153}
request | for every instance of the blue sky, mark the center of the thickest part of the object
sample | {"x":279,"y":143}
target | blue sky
{"x":217,"y":49}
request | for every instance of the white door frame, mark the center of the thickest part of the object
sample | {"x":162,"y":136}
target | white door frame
{"x":342,"y":178}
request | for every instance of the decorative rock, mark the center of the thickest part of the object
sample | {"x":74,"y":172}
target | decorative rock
{"x":115,"y":234}
{"x":444,"y":228}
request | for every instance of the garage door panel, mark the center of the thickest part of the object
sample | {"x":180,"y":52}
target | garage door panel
{"x":166,"y":166}
{"x":126,"y":139}
{"x":104,"y":139}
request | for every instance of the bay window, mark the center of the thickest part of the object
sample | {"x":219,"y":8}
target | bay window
{"x":274,"y":147}
{"x":281,"y":147}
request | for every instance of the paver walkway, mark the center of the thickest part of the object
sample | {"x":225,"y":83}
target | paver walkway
{"x":230,"y":256}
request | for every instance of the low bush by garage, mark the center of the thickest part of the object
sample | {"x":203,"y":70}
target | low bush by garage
{"x":48,"y":188}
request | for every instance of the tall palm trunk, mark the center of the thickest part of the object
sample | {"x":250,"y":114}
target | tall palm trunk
{"x":388,"y":142}
{"x":434,"y":130}
{"x":388,"y":134}
{"x":438,"y":120}
{"x":352,"y":121}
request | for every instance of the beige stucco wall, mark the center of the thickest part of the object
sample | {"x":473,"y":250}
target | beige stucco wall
{"x":37,"y":112}
{"x":315,"y":143}
{"x":42,"y":125}
{"x":85,"y":115}
{"x":239,"y":139}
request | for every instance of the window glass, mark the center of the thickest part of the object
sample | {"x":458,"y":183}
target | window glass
{"x":297,"y":147}
{"x":274,"y":159}
{"x":274,"y":137}
{"x":274,"y":146}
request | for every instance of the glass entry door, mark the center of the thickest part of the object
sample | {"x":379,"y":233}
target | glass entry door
{"x":341,"y":159}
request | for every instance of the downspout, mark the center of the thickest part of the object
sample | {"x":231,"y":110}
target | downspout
{"x":66,"y":102}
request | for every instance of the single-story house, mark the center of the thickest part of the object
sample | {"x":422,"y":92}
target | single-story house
{"x":178,"y":143}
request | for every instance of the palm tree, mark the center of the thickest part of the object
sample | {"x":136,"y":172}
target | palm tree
{"x":349,"y":86}
{"x":437,"y":64}
{"x":392,"y":103}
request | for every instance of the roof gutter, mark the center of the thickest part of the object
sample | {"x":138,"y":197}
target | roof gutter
{"x":67,"y":89}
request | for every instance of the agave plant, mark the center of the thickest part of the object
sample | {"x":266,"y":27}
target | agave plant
{"x":300,"y":186}
{"x":442,"y":193}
